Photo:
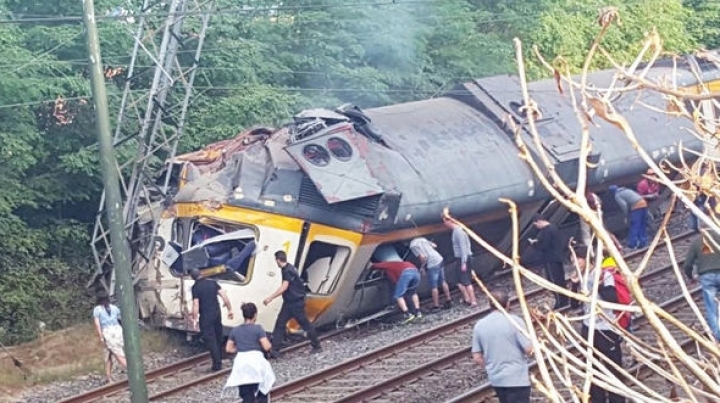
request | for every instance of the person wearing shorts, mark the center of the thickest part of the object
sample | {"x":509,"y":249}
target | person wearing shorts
{"x":463,"y":253}
{"x":406,"y":278}
{"x":433,"y":262}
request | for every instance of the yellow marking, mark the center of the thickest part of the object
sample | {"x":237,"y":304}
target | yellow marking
{"x":239,"y":215}
{"x":286,"y":247}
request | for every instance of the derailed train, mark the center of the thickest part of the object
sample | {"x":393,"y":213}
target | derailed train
{"x":333,"y":186}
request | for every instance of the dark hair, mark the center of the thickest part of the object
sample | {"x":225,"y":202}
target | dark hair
{"x":103,"y":299}
{"x":195,"y":274}
{"x":249,"y":310}
{"x":581,"y":251}
{"x":502,"y":298}
{"x":281,"y":256}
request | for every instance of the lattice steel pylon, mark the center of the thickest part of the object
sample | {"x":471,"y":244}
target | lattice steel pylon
{"x":170,"y":36}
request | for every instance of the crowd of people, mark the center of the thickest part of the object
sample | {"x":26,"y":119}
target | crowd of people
{"x":499,"y":340}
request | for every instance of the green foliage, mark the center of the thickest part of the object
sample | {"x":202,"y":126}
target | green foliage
{"x":259,"y":66}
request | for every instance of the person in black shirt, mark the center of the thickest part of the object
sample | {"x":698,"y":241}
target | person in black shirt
{"x":293,"y":293}
{"x":205,"y":303}
{"x":552,"y":252}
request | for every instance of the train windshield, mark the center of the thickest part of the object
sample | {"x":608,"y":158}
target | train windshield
{"x":217,"y":250}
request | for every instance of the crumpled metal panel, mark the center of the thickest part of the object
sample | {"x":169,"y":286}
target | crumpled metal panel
{"x":339,"y":173}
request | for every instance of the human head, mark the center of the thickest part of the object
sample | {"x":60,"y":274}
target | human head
{"x":281,"y":258}
{"x":102,"y":299}
{"x":249,"y":310}
{"x":580,"y":256}
{"x":612,"y":189}
{"x":195,"y":274}
{"x":502,"y":297}
{"x":448,"y":222}
{"x":650,"y":172}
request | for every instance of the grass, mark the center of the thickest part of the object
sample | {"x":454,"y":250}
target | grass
{"x":65,"y":355}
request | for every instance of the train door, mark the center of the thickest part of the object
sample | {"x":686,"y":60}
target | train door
{"x":324,"y":260}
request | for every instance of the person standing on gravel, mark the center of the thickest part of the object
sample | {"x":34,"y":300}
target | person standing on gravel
{"x":500,"y":347}
{"x":432,"y":261}
{"x":293,"y":293}
{"x":463,"y":253}
{"x":635,"y":208}
{"x":205,"y":294}
{"x":552,"y":250}
{"x":705,"y":255}
{"x":251,"y":372}
{"x":107,"y":324}
{"x":406,"y":278}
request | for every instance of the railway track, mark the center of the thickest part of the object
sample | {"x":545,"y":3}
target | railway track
{"x":193,"y":371}
{"x":395,"y":373}
{"x":677,"y":306}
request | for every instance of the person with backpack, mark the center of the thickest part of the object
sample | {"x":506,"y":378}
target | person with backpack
{"x":293,"y":293}
{"x":606,"y":339}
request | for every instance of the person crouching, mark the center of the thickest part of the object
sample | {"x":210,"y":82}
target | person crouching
{"x":251,"y":372}
{"x":406,"y":278}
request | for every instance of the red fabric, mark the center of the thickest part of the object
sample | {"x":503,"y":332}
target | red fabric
{"x":623,"y":295}
{"x":393,"y":270}
{"x":647,"y":187}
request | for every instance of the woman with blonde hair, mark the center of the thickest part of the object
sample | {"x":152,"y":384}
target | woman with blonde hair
{"x":107,"y":325}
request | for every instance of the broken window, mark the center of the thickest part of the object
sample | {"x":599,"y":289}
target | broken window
{"x":217,"y":249}
{"x":323,"y":266}
{"x":317,"y":155}
{"x":339,"y":149}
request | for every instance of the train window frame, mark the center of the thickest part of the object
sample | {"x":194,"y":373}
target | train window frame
{"x":320,"y":160}
{"x":345,"y":146}
{"x":322,"y":274}
{"x":185,"y":244}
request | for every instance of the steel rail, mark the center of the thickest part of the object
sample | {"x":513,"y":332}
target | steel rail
{"x":97,"y":394}
{"x":485,"y":391}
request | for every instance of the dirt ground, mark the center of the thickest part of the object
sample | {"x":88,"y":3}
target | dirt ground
{"x":60,"y":356}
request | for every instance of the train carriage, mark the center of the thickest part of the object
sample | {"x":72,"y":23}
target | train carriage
{"x":332,"y":186}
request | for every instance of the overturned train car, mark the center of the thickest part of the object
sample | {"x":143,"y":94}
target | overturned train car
{"x":333,"y":186}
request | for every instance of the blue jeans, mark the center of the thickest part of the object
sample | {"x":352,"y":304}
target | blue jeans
{"x":436,"y":275}
{"x":710,"y":283}
{"x":637,"y":234}
{"x":407,"y":283}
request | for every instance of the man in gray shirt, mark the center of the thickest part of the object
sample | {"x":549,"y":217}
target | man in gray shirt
{"x":500,"y":347}
{"x":463,"y":253}
{"x":432,"y":261}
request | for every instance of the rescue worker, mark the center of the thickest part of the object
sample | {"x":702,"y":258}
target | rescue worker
{"x":705,"y":256}
{"x":605,"y":340}
{"x":406,"y":278}
{"x":463,"y":253}
{"x":552,"y":254}
{"x":636,"y":211}
{"x":432,"y":261}
{"x":501,"y":348}
{"x":205,"y":293}
{"x":293,"y":293}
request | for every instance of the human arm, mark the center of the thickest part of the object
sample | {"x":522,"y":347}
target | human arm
{"x":226,"y":301}
{"x":478,"y":358}
{"x":230,"y":346}
{"x":691,"y":258}
{"x":98,"y":328}
{"x":195,"y":312}
{"x":280,"y":290}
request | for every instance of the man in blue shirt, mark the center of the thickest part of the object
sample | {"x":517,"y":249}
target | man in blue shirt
{"x":500,"y":347}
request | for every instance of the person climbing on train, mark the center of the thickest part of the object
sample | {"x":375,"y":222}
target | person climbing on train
{"x":293,"y":292}
{"x":704,"y":255}
{"x":606,"y":339}
{"x":552,"y":250}
{"x":432,"y":261}
{"x":251,"y":372}
{"x":463,"y":253}
{"x":406,"y":278}
{"x":205,"y":294}
{"x":107,"y":325}
{"x":635,"y":209}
